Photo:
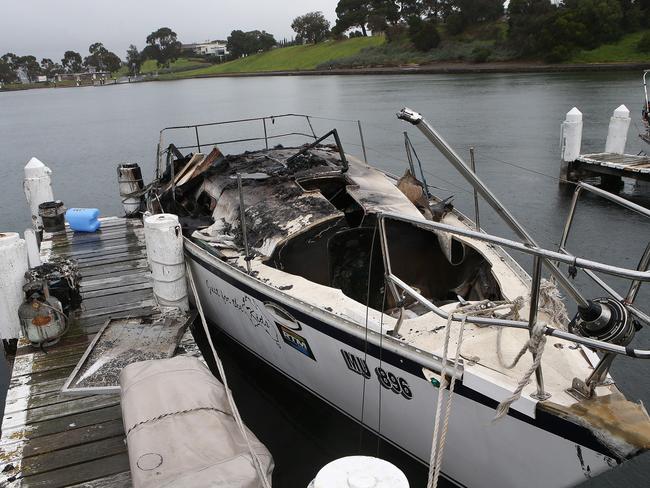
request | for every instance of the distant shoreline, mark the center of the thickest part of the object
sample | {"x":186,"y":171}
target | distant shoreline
{"x":437,"y":68}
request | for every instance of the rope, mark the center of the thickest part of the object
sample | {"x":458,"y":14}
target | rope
{"x":231,"y":401}
{"x":535,"y":345}
{"x":438,"y":442}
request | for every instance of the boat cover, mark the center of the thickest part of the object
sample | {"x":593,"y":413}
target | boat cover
{"x":180,"y":430}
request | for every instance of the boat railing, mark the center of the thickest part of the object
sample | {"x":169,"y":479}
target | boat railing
{"x":263,"y":134}
{"x":400,"y":289}
{"x":644,"y":261}
{"x":550,"y":259}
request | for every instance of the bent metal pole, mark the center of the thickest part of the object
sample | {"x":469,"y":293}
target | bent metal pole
{"x":430,"y":133}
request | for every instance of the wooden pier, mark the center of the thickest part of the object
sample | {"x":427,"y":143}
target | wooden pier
{"x":611,"y":165}
{"x":54,"y":439}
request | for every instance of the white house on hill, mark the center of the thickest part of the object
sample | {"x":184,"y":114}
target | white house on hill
{"x":208,"y":48}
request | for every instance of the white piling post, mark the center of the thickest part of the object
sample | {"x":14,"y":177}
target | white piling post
{"x":359,"y":472}
{"x":164,"y":240}
{"x":13,"y":266}
{"x":33,"y":254}
{"x":38,"y":189}
{"x":571,"y":140}
{"x":617,"y":133}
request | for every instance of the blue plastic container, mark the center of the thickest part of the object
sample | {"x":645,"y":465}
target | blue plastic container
{"x":83,"y":219}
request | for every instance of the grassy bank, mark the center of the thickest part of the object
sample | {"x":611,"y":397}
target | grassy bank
{"x":624,"y":50}
{"x":292,"y":58}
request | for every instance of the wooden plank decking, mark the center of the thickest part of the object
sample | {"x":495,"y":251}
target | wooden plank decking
{"x":623,"y":164}
{"x":50,"y":439}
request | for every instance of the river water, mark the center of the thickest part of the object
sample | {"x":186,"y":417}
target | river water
{"x":513,"y":121}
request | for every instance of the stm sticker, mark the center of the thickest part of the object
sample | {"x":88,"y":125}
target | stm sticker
{"x":295,"y":340}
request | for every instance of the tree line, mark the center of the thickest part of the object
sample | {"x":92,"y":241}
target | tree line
{"x":535,"y":28}
{"x":162,"y":46}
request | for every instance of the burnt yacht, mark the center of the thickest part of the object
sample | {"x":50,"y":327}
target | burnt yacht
{"x":359,"y":286}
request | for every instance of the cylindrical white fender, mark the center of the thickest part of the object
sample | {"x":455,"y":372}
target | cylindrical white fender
{"x":572,"y":135}
{"x":359,"y":472}
{"x":38,"y":188}
{"x":618,"y":128}
{"x":13,"y":266}
{"x":164,"y":240}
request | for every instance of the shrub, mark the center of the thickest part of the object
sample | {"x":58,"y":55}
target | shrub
{"x":481,"y":54}
{"x":455,"y":24}
{"x":644,"y":43}
{"x":558,"y":54}
{"x":423,"y":34}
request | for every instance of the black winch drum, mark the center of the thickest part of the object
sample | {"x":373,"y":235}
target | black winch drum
{"x":52,"y":215}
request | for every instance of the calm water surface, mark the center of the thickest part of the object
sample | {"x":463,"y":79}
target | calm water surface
{"x":513,"y":120}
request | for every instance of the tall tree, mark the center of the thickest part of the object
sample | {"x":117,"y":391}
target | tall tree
{"x":72,"y":62}
{"x":350,"y":14}
{"x":102,"y":59}
{"x":312,"y":27}
{"x":7,"y":74}
{"x":10,"y":60}
{"x":50,"y":68}
{"x":133,"y":59}
{"x":163,"y":46}
{"x":29,"y":65}
{"x":242,"y":43}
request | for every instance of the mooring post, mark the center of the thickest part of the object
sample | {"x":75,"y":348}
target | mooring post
{"x":13,"y":266}
{"x":618,"y":128}
{"x":38,"y":189}
{"x":571,"y":141}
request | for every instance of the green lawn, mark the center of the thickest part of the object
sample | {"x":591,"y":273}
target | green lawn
{"x":290,"y":58}
{"x":622,"y":51}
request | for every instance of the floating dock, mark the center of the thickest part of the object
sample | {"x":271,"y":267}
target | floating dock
{"x":54,"y":439}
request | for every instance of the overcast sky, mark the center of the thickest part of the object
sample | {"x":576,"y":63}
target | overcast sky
{"x":47,"y":28}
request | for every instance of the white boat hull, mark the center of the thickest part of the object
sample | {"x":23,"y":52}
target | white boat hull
{"x":398,"y":402}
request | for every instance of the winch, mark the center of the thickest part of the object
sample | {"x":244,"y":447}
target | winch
{"x":603,"y":319}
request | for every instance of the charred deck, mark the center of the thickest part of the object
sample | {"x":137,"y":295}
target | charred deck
{"x":55,"y":439}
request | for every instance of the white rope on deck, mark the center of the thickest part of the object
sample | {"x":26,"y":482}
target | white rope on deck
{"x":535,"y":345}
{"x":231,"y":401}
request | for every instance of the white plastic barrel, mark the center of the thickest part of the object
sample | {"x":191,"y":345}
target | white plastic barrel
{"x":359,"y":472}
{"x":164,"y":241}
{"x":38,"y":188}
{"x":13,"y":265}
{"x":619,"y":125}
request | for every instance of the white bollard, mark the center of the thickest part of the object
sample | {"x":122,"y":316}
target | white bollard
{"x":359,"y":472}
{"x":38,"y":188}
{"x":571,"y":135}
{"x":617,"y":133}
{"x":13,"y":266}
{"x":33,"y":254}
{"x":164,"y":241}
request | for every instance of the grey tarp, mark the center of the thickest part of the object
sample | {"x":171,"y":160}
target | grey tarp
{"x":180,"y":431}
